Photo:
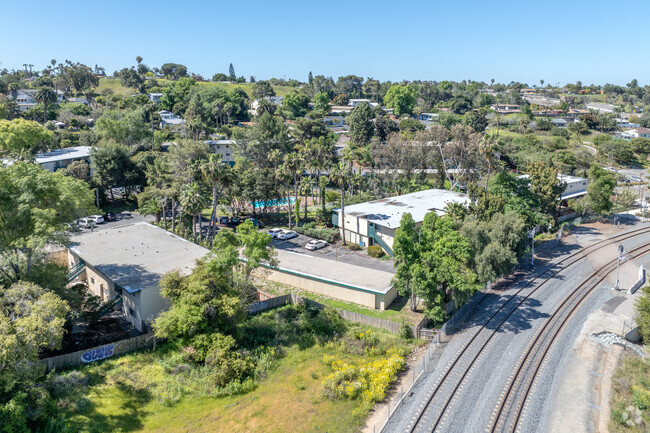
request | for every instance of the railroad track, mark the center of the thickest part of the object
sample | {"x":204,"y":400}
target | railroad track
{"x":512,"y":404}
{"x":472,"y":350}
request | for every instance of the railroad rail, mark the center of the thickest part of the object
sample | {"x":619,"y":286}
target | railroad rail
{"x":475,"y":345}
{"x":511,"y":406}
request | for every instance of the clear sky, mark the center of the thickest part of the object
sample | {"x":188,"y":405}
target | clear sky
{"x":595,"y":41}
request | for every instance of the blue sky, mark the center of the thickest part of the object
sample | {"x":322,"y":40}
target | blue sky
{"x":596,"y":41}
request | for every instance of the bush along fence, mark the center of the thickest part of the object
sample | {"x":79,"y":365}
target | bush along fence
{"x":85,"y":356}
{"x":290,"y":299}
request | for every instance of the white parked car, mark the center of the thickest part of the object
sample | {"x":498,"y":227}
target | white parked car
{"x":98,"y":219}
{"x":315,"y":244}
{"x":275,"y":232}
{"x":287,"y":234}
{"x":85,"y":222}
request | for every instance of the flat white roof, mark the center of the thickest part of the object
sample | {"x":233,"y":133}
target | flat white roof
{"x":387,"y":212}
{"x":136,"y":255}
{"x":77,"y":152}
{"x":353,"y":277}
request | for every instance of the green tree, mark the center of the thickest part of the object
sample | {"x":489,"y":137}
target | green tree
{"x":544,"y":183}
{"x":262,"y":89}
{"x":127,"y":127}
{"x":294,"y":105}
{"x":112,"y":166}
{"x":231,"y":73}
{"x":20,"y":138}
{"x":600,"y":190}
{"x":267,"y":134}
{"x":219,"y":176}
{"x":31,"y":320}
{"x":401,"y":99}
{"x":321,"y":102}
{"x":406,"y":250}
{"x":255,"y":250}
{"x":361,"y":126}
{"x":35,"y":204}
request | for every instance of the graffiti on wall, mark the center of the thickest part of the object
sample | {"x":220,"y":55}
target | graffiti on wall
{"x":97,"y":354}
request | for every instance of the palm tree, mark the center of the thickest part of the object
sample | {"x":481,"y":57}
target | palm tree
{"x":45,"y":95}
{"x":284,"y":175}
{"x":193,"y":202}
{"x":486,"y":148}
{"x":339,"y":175}
{"x":151,"y":207}
{"x":294,"y":164}
{"x":220,"y":176}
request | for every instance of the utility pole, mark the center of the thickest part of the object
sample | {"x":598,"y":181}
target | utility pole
{"x":618,"y":265}
{"x":531,"y":235}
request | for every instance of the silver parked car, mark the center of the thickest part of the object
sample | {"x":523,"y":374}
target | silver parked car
{"x":287,"y":234}
{"x":274,"y":232}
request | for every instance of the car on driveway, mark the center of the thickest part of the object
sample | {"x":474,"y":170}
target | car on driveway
{"x":287,"y":234}
{"x":97,"y":219}
{"x":274,"y":232}
{"x":109,"y":216}
{"x":235,"y":220}
{"x":315,"y":244}
{"x":223,"y":220}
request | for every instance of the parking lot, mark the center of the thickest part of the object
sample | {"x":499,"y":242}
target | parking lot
{"x":334,"y":253}
{"x":121,"y":219}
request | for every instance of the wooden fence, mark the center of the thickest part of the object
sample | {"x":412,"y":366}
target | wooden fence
{"x":85,"y":356}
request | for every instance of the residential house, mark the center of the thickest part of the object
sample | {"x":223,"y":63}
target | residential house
{"x":155,"y":97}
{"x":505,"y":108}
{"x":559,"y":122}
{"x":25,"y":100}
{"x":225,"y":148}
{"x":167,"y":118}
{"x":636,"y":133}
{"x":357,"y":102}
{"x":60,"y":158}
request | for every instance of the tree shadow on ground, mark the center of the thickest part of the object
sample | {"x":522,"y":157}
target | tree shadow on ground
{"x":490,"y":315}
{"x":127,"y":411}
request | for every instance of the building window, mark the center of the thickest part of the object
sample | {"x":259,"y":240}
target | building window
{"x":132,"y":312}
{"x":92,"y":280}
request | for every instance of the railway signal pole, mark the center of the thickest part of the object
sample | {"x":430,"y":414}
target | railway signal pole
{"x":618,"y":265}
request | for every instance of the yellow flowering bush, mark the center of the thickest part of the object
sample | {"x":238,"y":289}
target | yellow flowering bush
{"x":368,"y":381}
{"x":368,"y":339}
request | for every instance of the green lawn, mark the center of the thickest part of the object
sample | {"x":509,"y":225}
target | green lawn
{"x":115,"y":85}
{"x":290,"y":399}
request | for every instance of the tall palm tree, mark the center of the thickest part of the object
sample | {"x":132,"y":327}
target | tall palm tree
{"x":294,"y":163}
{"x":193,"y":202}
{"x":339,"y":175}
{"x":284,"y":174}
{"x":45,"y":95}
{"x":220,"y":176}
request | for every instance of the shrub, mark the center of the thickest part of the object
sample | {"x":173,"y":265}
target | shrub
{"x":310,"y":229}
{"x":405,"y":332}
{"x":375,"y":251}
{"x":367,"y":382}
{"x":354,"y":247}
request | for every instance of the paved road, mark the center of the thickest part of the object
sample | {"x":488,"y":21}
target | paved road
{"x":334,"y":253}
{"x":473,"y":407}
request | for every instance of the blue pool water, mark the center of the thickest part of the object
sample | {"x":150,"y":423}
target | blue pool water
{"x":281,"y":202}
